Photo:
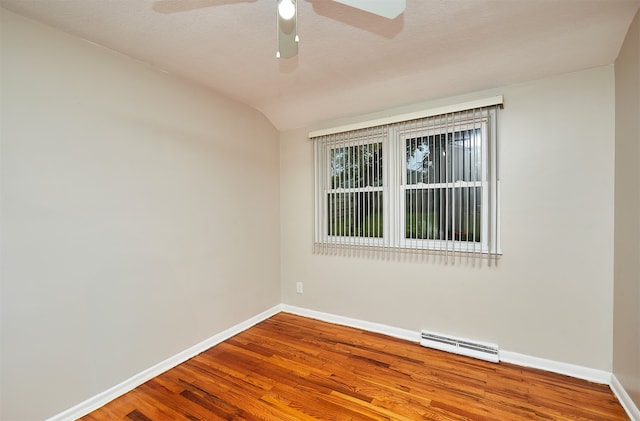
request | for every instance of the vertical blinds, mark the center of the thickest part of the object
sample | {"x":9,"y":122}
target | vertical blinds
{"x":426,"y":185}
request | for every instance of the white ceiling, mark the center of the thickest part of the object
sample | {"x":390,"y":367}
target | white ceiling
{"x":350,"y":62}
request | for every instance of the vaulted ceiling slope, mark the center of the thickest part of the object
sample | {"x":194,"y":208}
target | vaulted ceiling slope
{"x":350,"y":62}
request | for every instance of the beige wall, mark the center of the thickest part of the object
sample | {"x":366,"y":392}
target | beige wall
{"x":626,"y":344}
{"x":551,"y":295}
{"x":129,"y":225}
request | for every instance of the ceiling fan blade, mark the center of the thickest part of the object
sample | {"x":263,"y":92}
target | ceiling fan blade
{"x":389,"y":9}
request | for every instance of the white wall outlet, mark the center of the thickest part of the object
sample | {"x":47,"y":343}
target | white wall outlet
{"x":299,"y":287}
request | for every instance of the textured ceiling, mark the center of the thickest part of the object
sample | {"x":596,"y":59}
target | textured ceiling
{"x":350,"y":62}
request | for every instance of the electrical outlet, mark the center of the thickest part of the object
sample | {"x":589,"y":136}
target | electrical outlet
{"x":299,"y":287}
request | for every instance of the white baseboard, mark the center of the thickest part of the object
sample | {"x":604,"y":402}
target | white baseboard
{"x":572,"y":370}
{"x":396,"y":332}
{"x":95,"y":402}
{"x":625,"y":400}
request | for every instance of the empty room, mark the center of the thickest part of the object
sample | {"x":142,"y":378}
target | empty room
{"x":319,"y":209}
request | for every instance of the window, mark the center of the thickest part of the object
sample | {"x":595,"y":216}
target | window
{"x":355,"y":194}
{"x":443,"y":185}
{"x":426,"y":184}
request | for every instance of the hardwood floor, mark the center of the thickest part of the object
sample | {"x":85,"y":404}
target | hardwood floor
{"x":292,"y":368}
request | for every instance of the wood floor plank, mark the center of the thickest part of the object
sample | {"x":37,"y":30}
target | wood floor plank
{"x":293,"y":368}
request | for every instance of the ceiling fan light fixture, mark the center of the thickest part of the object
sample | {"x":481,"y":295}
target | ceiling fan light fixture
{"x":286,"y":9}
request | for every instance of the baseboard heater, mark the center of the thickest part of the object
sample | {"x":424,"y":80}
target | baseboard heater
{"x":481,"y":350}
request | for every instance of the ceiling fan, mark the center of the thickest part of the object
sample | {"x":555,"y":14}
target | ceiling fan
{"x":287,"y":15}
{"x":287,"y":19}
